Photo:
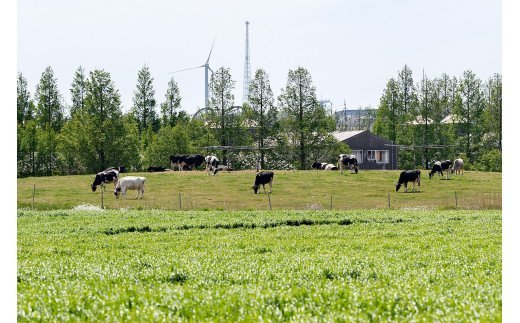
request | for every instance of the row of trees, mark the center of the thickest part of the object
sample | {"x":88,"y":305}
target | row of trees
{"x":443,"y":118}
{"x":92,"y":133}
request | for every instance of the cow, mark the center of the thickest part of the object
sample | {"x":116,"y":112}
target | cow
{"x":186,"y":160}
{"x":107,"y":176}
{"x":324,"y":166}
{"x":153,"y":168}
{"x":458,"y":166}
{"x":212,"y":163}
{"x":439,"y":166}
{"x":406,"y":176}
{"x":130,"y":183}
{"x":262,"y":178}
{"x":345,"y":160}
{"x":221,"y":168}
{"x":175,"y":160}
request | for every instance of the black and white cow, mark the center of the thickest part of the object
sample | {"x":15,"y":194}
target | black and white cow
{"x":175,"y":160}
{"x":153,"y":168}
{"x":458,"y":166}
{"x":262,"y":178}
{"x":109,"y":175}
{"x":348,"y":160}
{"x":221,"y":168}
{"x":130,"y":183}
{"x":212,"y":163}
{"x":324,"y":166}
{"x":406,"y":176}
{"x":439,"y":166}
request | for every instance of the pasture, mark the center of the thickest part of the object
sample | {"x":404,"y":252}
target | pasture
{"x":155,"y":265}
{"x":292,"y":190}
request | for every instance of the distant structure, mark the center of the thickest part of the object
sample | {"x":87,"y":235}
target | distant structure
{"x":358,"y":119}
{"x":247,"y":68}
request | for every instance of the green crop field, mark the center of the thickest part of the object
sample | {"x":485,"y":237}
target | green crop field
{"x":156,"y":265}
{"x":295,"y":190}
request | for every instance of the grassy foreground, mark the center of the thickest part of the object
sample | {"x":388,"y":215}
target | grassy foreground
{"x":296,"y":190}
{"x":380,"y":265}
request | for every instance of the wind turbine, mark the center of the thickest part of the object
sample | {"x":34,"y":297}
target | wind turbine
{"x":206,"y":68}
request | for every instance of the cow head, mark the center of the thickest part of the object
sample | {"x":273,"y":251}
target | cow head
{"x":255,"y":188}
{"x":93,"y":187}
{"x":117,"y":191}
{"x":397,"y":186}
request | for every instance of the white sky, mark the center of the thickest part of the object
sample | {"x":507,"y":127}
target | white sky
{"x":351,"y":48}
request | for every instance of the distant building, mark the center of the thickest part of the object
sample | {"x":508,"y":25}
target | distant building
{"x":372,"y":152}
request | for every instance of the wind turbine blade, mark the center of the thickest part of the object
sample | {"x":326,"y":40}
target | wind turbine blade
{"x":186,"y":69}
{"x":207,"y":61}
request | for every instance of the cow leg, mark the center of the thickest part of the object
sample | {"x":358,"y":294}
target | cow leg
{"x":405,"y":187}
{"x":340,"y":167}
{"x":271,"y":185}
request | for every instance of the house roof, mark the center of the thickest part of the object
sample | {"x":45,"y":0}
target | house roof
{"x":452,"y":118}
{"x":419,"y":121}
{"x":343,"y":135}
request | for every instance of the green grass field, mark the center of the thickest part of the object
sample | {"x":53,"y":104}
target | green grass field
{"x":293,"y":190}
{"x":365,"y":265}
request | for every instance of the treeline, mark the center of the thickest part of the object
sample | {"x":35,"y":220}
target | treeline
{"x":91,"y":132}
{"x":443,"y":118}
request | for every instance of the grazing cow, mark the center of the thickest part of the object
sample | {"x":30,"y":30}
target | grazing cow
{"x":406,"y":176}
{"x":324,"y":166}
{"x":212,"y":163}
{"x":107,"y":176}
{"x":221,"y":168}
{"x":345,"y":160}
{"x":153,"y":168}
{"x":186,"y":160}
{"x":130,"y":183}
{"x":175,"y":160}
{"x":263,"y":178}
{"x":438,"y":167}
{"x":458,"y":166}
{"x":317,"y":166}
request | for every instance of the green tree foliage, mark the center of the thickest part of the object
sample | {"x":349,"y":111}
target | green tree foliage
{"x":24,"y":104}
{"x":493,"y":112}
{"x":144,"y":101}
{"x":221,"y":115}
{"x":407,"y":95}
{"x":261,"y":113}
{"x":471,"y":112}
{"x":169,"y":141}
{"x":306,"y":124}
{"x":78,"y":91}
{"x":170,"y":107}
{"x":387,"y":118}
{"x":49,"y":116}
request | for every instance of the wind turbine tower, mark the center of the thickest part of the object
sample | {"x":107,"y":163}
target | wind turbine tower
{"x":247,"y":68}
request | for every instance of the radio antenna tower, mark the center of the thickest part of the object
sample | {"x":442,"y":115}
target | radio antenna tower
{"x":247,"y":68}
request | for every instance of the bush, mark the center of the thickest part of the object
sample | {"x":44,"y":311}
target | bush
{"x":491,"y":161}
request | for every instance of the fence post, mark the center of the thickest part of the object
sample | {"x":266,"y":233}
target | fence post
{"x":269,"y":197}
{"x":456,"y":202}
{"x":34,"y":192}
{"x":388,"y":200}
{"x":180,"y":201}
{"x":102,"y":192}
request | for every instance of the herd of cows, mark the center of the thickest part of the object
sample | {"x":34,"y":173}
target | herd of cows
{"x":189,"y":162}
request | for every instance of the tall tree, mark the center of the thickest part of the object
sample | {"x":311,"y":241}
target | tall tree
{"x":49,"y":109}
{"x":261,"y":112}
{"x":387,"y":117}
{"x":78,"y":91}
{"x":471,"y":109}
{"x":144,"y":101}
{"x":407,"y":94}
{"x":172,"y":104}
{"x":221,"y":113}
{"x":49,"y":116}
{"x":306,"y":123}
{"x":493,"y":112}
{"x":24,"y":104}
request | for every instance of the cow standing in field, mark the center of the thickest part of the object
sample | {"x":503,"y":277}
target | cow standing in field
{"x":212,"y":163}
{"x":439,"y":166}
{"x":153,"y":169}
{"x":324,"y":166}
{"x":263,"y":178}
{"x":348,"y":160}
{"x":130,"y":183}
{"x":458,"y":166}
{"x":109,"y":175}
{"x":406,"y":176}
{"x":221,"y":168}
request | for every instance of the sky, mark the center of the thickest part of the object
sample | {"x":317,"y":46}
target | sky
{"x":350,"y":48}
